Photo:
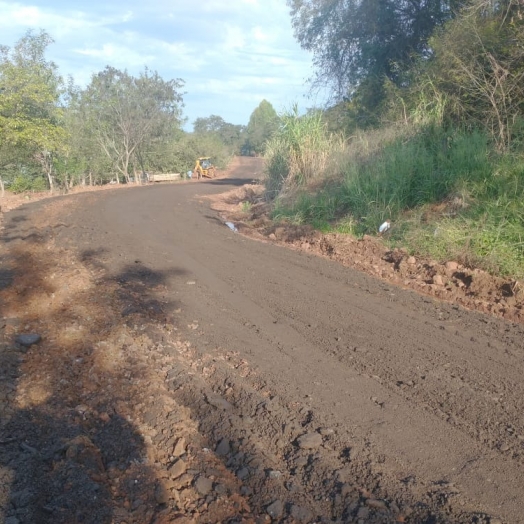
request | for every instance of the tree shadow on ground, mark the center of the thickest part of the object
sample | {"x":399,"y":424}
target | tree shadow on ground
{"x":230,"y":182}
{"x":70,"y":450}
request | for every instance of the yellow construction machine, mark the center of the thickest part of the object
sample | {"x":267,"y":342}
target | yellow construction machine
{"x":204,"y":168}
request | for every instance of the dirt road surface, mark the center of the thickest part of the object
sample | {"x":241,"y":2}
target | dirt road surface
{"x":186,"y":373}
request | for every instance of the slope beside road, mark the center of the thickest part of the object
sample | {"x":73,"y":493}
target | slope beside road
{"x":186,"y":371}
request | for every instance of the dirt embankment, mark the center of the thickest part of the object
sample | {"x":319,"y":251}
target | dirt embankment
{"x":451,"y":281}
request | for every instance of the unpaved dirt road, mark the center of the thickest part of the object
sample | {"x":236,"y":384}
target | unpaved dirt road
{"x":332,"y":396}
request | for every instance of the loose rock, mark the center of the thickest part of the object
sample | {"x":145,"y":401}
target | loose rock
{"x":301,"y":514}
{"x":438,"y":280}
{"x":223,"y":447}
{"x":178,"y":468}
{"x":161,"y":494}
{"x":310,"y":441}
{"x":243,"y":473}
{"x":28,"y":339}
{"x":180,"y":447}
{"x":275,"y":509}
{"x":203,"y":485}
{"x":376,"y":504}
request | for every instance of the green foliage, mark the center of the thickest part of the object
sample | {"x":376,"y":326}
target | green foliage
{"x":126,"y":116}
{"x":478,"y":63}
{"x":23,"y":184}
{"x":446,"y":165}
{"x":184,"y":149}
{"x":489,"y":229}
{"x":300,"y":151}
{"x":381,"y":180}
{"x":263,"y":123}
{"x":447,"y":193}
{"x":230,"y":135}
{"x":30,"y":113}
{"x":356,"y":45}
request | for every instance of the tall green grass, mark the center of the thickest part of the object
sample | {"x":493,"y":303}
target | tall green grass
{"x":301,"y":152}
{"x":488,"y":232}
{"x":447,"y":193}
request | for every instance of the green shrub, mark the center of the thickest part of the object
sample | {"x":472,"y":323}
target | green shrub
{"x":21,"y":184}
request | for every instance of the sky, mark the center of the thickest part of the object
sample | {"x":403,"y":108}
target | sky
{"x":231,"y":54}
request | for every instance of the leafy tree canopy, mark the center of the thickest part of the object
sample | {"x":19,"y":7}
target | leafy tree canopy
{"x":30,"y":89}
{"x":356,"y":42}
{"x":126,"y":115}
{"x":30,"y":114}
{"x":263,"y":123}
{"x":230,"y":135}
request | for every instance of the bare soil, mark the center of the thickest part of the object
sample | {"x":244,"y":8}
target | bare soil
{"x":187,"y":373}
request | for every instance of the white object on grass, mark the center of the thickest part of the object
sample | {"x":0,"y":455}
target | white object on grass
{"x":384,"y":227}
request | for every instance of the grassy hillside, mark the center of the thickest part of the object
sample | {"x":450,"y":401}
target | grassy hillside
{"x":448,"y":193}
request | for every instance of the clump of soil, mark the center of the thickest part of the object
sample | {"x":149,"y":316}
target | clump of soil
{"x":451,"y":281}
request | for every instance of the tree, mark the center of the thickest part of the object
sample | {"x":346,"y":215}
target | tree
{"x":126,"y":115}
{"x":478,"y":64}
{"x":230,"y":135}
{"x":263,"y":123}
{"x":30,"y":112}
{"x":363,"y":42}
{"x":210,"y":124}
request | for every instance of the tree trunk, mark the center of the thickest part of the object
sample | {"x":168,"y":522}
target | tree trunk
{"x":50,"y":180}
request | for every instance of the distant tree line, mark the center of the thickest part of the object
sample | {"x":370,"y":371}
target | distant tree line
{"x":54,"y":134}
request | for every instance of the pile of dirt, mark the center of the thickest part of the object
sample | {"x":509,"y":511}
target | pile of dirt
{"x":469,"y":287}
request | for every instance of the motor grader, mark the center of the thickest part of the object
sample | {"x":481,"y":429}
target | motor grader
{"x":204,"y":168}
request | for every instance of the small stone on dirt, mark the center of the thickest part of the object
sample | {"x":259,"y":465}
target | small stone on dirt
{"x":177,"y":469}
{"x":219,"y":402}
{"x":411,"y":261}
{"x":203,"y":485}
{"x":243,"y":473}
{"x":161,"y":494}
{"x":438,"y":280}
{"x":301,"y":514}
{"x":28,"y":339}
{"x":452,"y":266}
{"x":275,"y":509}
{"x":376,"y":504}
{"x":310,"y":441}
{"x":274,"y":474}
{"x":223,"y":448}
{"x":180,"y":447}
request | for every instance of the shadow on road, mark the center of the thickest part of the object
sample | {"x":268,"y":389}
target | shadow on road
{"x":70,"y":447}
{"x":236,"y":182}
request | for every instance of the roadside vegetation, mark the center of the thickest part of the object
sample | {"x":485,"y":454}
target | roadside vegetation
{"x":436,"y":146}
{"x":55,"y":135}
